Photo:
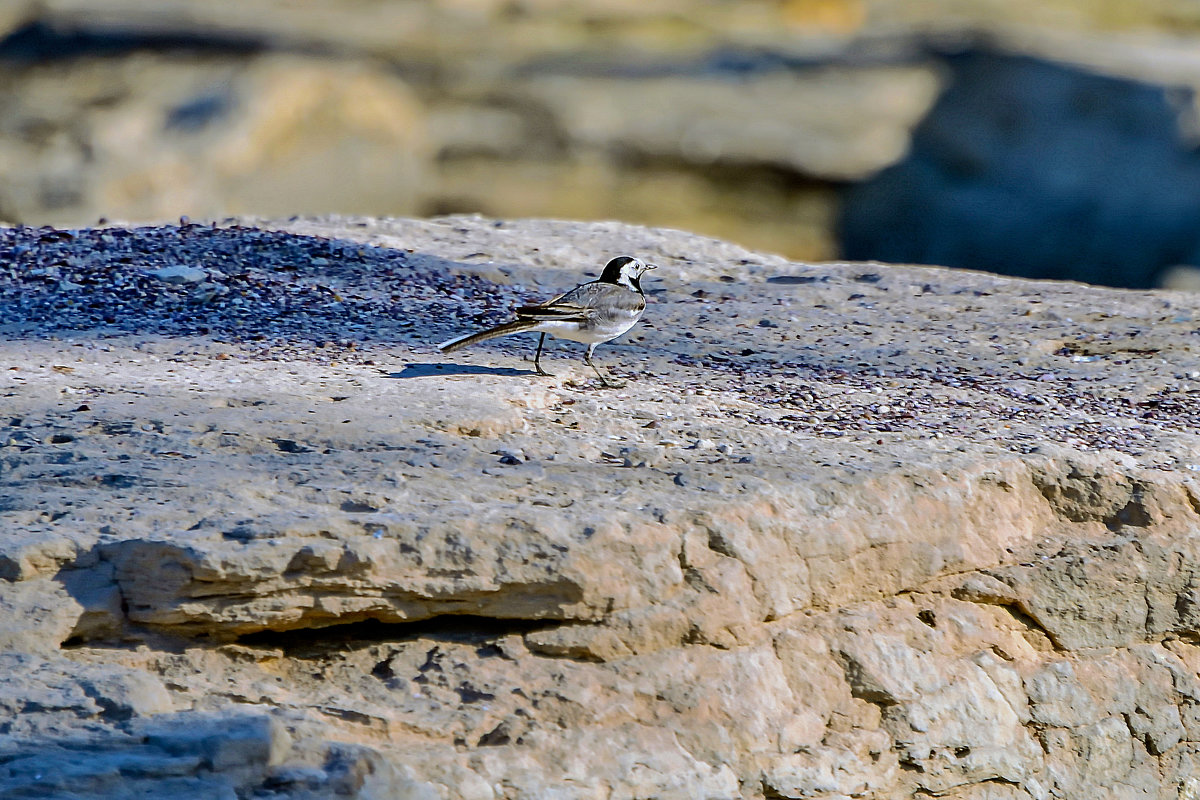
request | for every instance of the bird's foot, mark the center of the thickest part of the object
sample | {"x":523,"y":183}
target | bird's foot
{"x":544,"y":374}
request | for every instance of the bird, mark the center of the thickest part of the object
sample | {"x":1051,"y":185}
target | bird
{"x":591,"y":313}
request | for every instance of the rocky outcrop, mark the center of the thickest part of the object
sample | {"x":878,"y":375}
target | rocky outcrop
{"x":849,"y":531}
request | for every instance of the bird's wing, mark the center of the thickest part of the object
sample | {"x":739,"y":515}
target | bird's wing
{"x":574,"y":305}
{"x":583,"y":302}
{"x":566,"y":312}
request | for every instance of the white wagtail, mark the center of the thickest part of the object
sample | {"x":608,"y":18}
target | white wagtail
{"x":591,"y":313}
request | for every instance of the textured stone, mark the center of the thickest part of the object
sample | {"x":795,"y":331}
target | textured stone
{"x":39,"y":615}
{"x":154,"y":136}
{"x":180,"y":273}
{"x":900,"y":563}
{"x":707,"y":121}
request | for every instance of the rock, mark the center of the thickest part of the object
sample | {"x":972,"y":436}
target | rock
{"x":43,"y":694}
{"x":160,"y":135}
{"x":764,"y":118}
{"x":1117,"y":208}
{"x":40,"y":615}
{"x":325,"y":559}
{"x":180,"y":273}
{"x":27,"y":554}
{"x":225,"y":744}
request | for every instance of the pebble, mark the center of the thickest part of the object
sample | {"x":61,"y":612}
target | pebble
{"x":633,"y":457}
{"x":180,"y":273}
{"x":510,"y":457}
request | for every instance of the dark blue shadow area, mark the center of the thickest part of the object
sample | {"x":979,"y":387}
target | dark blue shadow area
{"x":39,"y":42}
{"x":1040,"y":170}
{"x":232,"y":284}
{"x":444,"y":369}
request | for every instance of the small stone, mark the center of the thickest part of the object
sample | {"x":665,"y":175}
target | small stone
{"x":634,"y":457}
{"x":180,"y":273}
{"x":205,"y":293}
{"x":510,"y":457}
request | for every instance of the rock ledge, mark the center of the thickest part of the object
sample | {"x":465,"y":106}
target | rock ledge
{"x":850,"y":531}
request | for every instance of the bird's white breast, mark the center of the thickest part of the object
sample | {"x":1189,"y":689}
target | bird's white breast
{"x":589,"y":334}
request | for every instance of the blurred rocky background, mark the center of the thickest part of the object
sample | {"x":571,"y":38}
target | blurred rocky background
{"x":1046,"y":139}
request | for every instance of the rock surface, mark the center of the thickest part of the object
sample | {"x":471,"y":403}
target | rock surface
{"x":849,"y":531}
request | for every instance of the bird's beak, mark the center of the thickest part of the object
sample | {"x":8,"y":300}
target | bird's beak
{"x":651,"y":266}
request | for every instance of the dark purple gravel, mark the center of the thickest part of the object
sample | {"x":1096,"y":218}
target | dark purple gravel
{"x":262,"y":286}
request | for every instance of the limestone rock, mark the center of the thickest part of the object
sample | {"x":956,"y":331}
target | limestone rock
{"x":924,"y":533}
{"x":760,"y":119}
{"x":154,"y":136}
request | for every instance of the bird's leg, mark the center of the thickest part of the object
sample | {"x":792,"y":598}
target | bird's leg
{"x":537,"y":359}
{"x":588,"y":358}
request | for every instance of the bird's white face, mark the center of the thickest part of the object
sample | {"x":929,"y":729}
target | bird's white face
{"x":632,"y":270}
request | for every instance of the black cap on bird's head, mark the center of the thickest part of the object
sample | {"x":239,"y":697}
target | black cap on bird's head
{"x":626,"y":271}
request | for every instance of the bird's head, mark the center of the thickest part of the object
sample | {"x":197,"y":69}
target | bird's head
{"x":626,"y":271}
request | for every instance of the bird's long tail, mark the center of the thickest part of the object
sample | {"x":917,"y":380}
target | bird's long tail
{"x":516,"y":326}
